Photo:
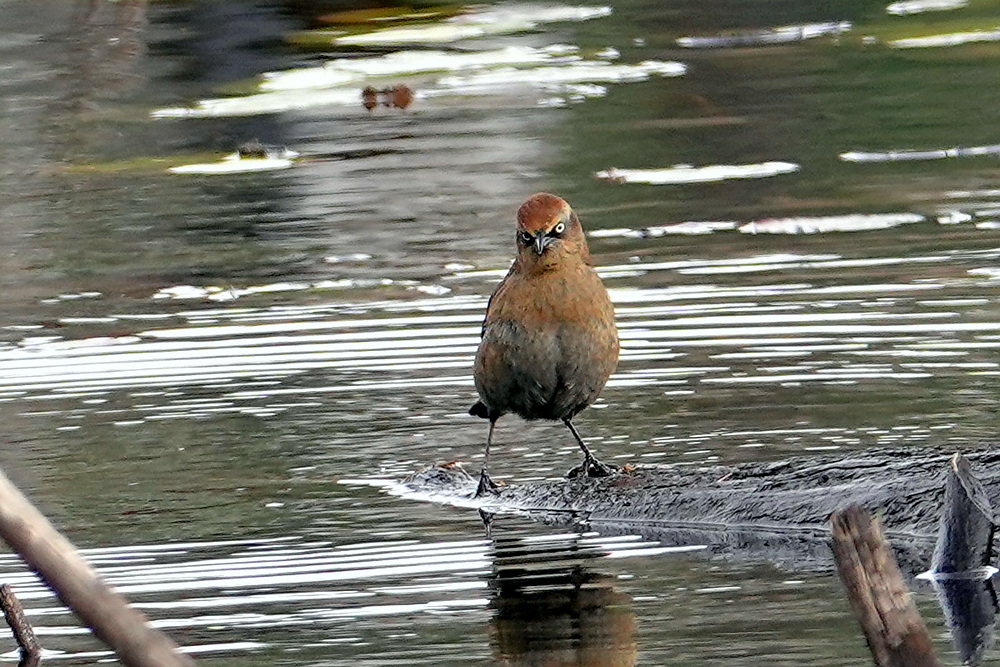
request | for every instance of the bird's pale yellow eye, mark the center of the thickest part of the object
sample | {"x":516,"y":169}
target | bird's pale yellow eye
{"x":560,"y":228}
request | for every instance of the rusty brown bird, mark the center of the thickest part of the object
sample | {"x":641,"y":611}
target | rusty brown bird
{"x":549,"y":342}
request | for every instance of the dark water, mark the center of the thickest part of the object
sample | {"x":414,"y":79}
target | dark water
{"x":194,"y":368}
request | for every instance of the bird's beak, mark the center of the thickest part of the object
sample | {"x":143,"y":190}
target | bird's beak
{"x":541,"y":242}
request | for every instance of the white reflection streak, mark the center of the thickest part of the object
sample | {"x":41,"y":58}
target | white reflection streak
{"x":778,"y":318}
{"x":443,"y":381}
{"x":340,"y":71}
{"x":783,"y":258}
{"x":832,"y":223}
{"x":259,"y":349}
{"x":826,"y":264}
{"x":906,"y":7}
{"x":403,"y":323}
{"x":723,"y":334}
{"x":237,"y":355}
{"x":309,"y":575}
{"x":948,"y":39}
{"x":310,"y":563}
{"x":106,"y":367}
{"x":688,"y":174}
{"x":817,"y":377}
{"x":327,"y":559}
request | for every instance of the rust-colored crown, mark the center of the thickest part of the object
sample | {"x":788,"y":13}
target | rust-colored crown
{"x":541,"y":212}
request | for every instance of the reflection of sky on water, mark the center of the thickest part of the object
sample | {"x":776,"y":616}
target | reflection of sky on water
{"x":838,"y":333}
{"x":252,"y":588}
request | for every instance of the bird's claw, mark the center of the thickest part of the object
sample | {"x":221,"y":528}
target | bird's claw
{"x":591,"y":467}
{"x":486,"y":485}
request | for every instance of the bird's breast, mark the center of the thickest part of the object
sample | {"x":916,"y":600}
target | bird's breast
{"x":553,"y":300}
{"x":549,"y":344}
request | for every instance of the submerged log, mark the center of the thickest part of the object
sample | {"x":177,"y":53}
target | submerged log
{"x":893,"y":628}
{"x":779,"y":510}
{"x":904,"y":485}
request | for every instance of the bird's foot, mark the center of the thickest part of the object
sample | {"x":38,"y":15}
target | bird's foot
{"x":486,"y":485}
{"x":591,"y":467}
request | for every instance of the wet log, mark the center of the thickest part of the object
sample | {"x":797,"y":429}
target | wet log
{"x":892,"y":625}
{"x":61,"y":566}
{"x":778,"y":511}
{"x":906,"y":486}
{"x":24,"y":635}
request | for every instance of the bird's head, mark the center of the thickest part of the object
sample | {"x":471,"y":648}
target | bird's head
{"x":547,"y":229}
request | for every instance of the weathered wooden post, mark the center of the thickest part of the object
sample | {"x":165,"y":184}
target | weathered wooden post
{"x":893,"y":627}
{"x":60,"y":565}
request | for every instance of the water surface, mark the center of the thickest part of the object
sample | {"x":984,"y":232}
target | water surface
{"x":191,"y":364}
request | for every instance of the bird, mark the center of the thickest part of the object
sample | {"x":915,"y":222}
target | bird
{"x":549,"y":342}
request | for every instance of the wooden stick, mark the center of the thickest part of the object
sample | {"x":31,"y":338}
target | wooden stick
{"x":19,"y":625}
{"x":896,"y":634}
{"x":61,"y":566}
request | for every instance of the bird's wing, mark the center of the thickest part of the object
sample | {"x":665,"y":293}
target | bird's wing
{"x":489,"y":304}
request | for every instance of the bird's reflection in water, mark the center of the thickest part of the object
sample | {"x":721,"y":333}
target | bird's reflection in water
{"x":550,"y":608}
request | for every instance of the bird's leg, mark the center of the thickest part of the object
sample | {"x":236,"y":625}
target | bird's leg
{"x":487,"y":519}
{"x":487,"y":485}
{"x":590,"y":467}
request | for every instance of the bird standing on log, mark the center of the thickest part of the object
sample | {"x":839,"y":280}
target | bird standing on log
{"x":549,"y":342}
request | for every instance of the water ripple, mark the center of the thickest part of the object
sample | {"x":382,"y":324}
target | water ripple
{"x":254,"y":355}
{"x":221,"y":590}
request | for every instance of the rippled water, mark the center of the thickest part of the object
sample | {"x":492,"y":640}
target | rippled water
{"x":196,"y":369}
